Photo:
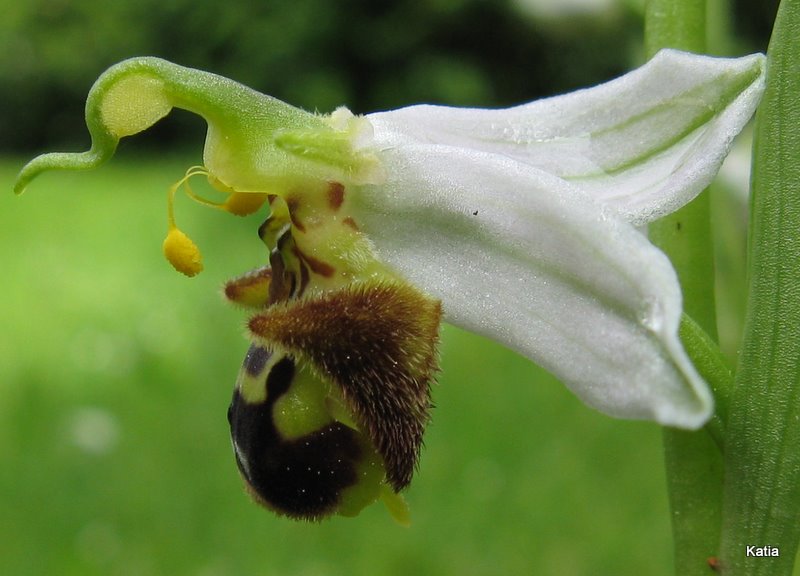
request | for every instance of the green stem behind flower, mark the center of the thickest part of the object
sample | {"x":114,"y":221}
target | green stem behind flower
{"x":693,"y":460}
{"x":762,"y":458}
{"x":679,"y":24}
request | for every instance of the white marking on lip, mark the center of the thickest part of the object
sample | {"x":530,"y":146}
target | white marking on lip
{"x":242,"y":459}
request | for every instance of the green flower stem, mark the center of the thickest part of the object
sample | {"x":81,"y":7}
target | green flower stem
{"x":761,"y":497}
{"x":679,"y":24}
{"x":693,"y":459}
{"x":695,"y":464}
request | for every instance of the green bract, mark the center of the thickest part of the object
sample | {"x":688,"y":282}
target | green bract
{"x":518,"y":224}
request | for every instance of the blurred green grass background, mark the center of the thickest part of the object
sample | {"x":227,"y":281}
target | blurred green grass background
{"x":116,"y":375}
{"x":116,"y":372}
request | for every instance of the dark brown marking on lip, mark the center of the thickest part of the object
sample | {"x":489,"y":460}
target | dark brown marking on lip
{"x":335,"y":195}
{"x":303,"y":477}
{"x":293,"y":204}
{"x":256,"y":359}
{"x":282,"y":281}
{"x":269,"y":227}
{"x":350,"y":223}
{"x":284,"y":239}
{"x":262,"y":230}
{"x":316,"y":266}
{"x":304,"y":278}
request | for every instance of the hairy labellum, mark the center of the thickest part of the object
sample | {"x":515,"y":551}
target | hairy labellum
{"x":333,"y":397}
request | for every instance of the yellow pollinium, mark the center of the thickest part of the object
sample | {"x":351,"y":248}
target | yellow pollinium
{"x":179,"y":249}
{"x":182,"y":253}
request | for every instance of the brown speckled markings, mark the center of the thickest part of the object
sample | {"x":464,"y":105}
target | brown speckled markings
{"x":293,"y":204}
{"x":335,"y":195}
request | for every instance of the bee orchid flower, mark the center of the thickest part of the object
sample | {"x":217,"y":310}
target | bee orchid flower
{"x":522,"y":224}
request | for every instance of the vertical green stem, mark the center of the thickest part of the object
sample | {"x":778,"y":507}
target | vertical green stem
{"x":693,"y":460}
{"x":677,"y":24}
{"x":761,"y":498}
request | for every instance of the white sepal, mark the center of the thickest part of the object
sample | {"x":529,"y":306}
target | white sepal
{"x":645,"y":143}
{"x":532,"y":261}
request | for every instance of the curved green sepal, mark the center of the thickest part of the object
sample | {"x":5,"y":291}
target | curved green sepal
{"x":255,"y":143}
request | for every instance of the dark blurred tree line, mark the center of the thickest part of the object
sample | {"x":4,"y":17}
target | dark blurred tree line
{"x":317,"y":54}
